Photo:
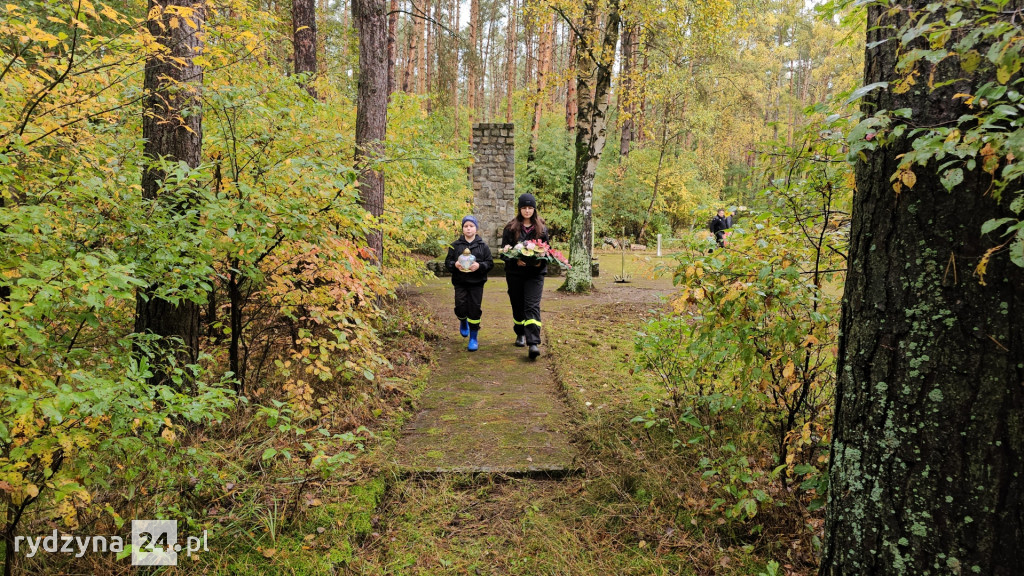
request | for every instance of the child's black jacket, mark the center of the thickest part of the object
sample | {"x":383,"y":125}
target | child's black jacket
{"x":477,"y":248}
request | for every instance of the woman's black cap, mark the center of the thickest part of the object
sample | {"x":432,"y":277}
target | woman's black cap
{"x":527,"y":200}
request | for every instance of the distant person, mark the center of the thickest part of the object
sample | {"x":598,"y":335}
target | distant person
{"x":469,"y":260}
{"x":718,"y":225}
{"x":525,"y":277}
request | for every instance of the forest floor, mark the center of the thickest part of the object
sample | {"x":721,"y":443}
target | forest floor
{"x":495,"y":421}
{"x":488,"y":463}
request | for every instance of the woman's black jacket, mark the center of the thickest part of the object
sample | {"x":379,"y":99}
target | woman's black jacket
{"x":512,"y":268}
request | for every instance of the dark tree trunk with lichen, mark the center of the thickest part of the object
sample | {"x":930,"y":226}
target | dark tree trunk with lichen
{"x":371,"y":110}
{"x":173,"y":131}
{"x":927,"y":467}
{"x":304,"y":40}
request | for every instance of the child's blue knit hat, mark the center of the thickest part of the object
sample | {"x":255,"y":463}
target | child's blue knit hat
{"x":472,"y":219}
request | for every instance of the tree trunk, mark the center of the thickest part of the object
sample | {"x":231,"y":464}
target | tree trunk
{"x":544,"y":53}
{"x":371,"y":111}
{"x":489,"y":68}
{"x":657,"y":181}
{"x":590,"y":140}
{"x":173,"y":130}
{"x":472,"y":57}
{"x":428,"y":54}
{"x":416,"y":47}
{"x":456,"y":9}
{"x":410,"y":49}
{"x":926,"y":468}
{"x":638,"y":127}
{"x":528,"y":42}
{"x":510,"y":60}
{"x":392,"y":37}
{"x":304,"y":40}
{"x":570,"y":91}
{"x":625,"y":95}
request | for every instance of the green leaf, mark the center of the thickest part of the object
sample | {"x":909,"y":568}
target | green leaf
{"x":952,"y":177}
{"x":804,"y":469}
{"x":1017,"y":252}
{"x":970,"y":61}
{"x":269,"y":453}
{"x":994,"y":224}
{"x":860,"y":92}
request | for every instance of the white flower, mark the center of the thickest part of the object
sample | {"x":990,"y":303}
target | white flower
{"x":519,"y":246}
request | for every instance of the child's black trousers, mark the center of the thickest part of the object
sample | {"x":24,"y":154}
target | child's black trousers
{"x":468,"y":299}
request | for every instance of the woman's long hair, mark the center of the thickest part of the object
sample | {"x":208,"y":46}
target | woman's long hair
{"x":516,"y":224}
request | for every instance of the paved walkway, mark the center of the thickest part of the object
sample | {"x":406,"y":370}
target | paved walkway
{"x":492,"y":410}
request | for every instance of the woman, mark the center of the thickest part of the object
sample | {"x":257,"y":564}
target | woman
{"x":525,"y":277}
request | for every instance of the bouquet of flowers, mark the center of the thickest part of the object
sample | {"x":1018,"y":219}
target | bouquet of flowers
{"x":534,"y":250}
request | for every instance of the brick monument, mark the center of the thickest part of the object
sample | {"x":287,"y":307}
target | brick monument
{"x":494,"y":179}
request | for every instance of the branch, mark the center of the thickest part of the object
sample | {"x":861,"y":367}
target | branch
{"x":422,"y":15}
{"x":580,"y":37}
{"x":59,"y":80}
{"x":15,"y":59}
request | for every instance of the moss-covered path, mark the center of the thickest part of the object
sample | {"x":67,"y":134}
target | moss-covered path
{"x":493,"y":410}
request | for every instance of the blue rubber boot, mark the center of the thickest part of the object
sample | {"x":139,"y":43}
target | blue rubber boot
{"x":464,"y":327}
{"x":473,"y":344}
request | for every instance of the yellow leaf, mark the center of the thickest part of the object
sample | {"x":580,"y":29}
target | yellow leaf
{"x":909,"y":178}
{"x":31,"y":490}
{"x":810,"y":340}
{"x":11,"y":8}
{"x":269,"y":552}
{"x":787,"y":372}
{"x":168,"y":434}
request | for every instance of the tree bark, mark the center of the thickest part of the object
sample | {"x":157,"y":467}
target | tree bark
{"x":416,"y":49}
{"x":624,"y":95}
{"x":546,"y":43}
{"x":410,"y":48}
{"x":926,"y":469}
{"x":590,"y":139}
{"x":428,"y":53}
{"x":371,"y":111}
{"x":510,"y":60}
{"x":473,"y":57}
{"x":657,"y":181}
{"x":173,"y":131}
{"x":304,"y":40}
{"x":392,"y":38}
{"x":488,"y":68}
{"x":570,"y":91}
{"x":528,"y":43}
{"x":456,"y":9}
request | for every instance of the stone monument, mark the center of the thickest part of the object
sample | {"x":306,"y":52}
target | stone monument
{"x":494,"y":180}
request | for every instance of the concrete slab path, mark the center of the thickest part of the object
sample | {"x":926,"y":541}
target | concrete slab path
{"x":490,"y":411}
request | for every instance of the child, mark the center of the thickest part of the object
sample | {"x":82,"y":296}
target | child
{"x":469,"y":283}
{"x":525,"y":279}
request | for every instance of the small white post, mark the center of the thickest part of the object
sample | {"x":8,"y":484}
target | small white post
{"x":659,"y":244}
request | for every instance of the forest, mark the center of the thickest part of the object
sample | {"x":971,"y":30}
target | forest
{"x":217,"y":225}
